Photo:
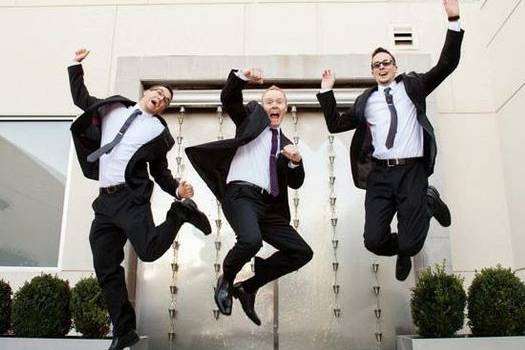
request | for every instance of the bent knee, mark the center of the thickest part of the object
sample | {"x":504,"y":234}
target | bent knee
{"x":252,"y":245}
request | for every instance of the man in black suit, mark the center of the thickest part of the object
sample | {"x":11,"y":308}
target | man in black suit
{"x":393,"y":150}
{"x":249,"y":175}
{"x":115,"y":141}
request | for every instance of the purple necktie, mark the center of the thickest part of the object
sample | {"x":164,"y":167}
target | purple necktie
{"x":274,"y":184}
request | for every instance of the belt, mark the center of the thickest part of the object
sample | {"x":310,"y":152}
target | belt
{"x":112,"y":189}
{"x":249,"y":184}
{"x":396,"y":161}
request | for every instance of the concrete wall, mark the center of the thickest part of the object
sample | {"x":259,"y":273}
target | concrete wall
{"x":504,"y":44}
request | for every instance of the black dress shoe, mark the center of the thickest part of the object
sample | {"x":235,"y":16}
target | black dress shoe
{"x":129,"y":339}
{"x":196,"y":217}
{"x":247,"y":302}
{"x":439,"y":208}
{"x":223,"y":296}
{"x":403,"y":267}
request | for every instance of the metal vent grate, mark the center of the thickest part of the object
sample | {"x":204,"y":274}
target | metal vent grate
{"x":403,"y":37}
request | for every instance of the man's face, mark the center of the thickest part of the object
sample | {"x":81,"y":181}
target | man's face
{"x":384,"y":69}
{"x":275,"y":105}
{"x":156,"y":99}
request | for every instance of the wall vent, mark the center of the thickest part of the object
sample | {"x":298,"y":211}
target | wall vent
{"x":403,"y":37}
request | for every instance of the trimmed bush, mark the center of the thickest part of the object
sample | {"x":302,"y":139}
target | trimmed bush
{"x":438,"y":303}
{"x":41,"y":308}
{"x":496,"y":303}
{"x":88,"y":307}
{"x":5,"y":306}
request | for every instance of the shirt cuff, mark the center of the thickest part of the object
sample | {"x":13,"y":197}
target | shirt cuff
{"x":455,"y":26}
{"x":241,"y":75}
{"x":291,"y":165}
{"x":322,"y":91}
{"x":177,"y":197}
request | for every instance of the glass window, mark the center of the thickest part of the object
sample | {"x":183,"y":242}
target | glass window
{"x":34,"y":159}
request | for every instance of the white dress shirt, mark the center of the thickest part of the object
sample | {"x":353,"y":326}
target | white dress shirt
{"x":408,"y":141}
{"x":143,"y":129}
{"x":251,"y":162}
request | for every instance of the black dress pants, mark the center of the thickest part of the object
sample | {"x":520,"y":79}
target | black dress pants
{"x":400,"y":189}
{"x":254,"y":220}
{"x":118,"y":217}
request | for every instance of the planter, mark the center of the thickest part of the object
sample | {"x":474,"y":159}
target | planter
{"x":67,"y":343}
{"x":408,"y":342}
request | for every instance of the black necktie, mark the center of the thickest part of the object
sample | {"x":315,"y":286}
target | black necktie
{"x":109,"y":146}
{"x":393,"y":119}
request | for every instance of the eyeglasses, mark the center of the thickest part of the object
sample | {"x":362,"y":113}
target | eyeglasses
{"x":161,"y":92}
{"x":386,"y":63}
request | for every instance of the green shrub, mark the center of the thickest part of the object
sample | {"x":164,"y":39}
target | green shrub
{"x":496,"y":303}
{"x":88,"y":308}
{"x":41,"y":308}
{"x":5,"y":306}
{"x":438,"y":303}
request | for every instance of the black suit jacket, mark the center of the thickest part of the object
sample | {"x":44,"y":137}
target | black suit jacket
{"x":87,"y":135}
{"x":418,"y":87}
{"x":212,"y":160}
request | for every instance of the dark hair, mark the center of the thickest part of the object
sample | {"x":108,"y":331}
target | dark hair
{"x":164,"y":85}
{"x":379,"y":50}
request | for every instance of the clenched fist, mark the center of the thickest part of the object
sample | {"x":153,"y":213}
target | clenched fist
{"x":185,"y":189}
{"x":254,"y":75}
{"x":292,"y":152}
{"x":80,"y":54}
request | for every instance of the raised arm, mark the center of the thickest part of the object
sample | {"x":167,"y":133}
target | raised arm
{"x":79,"y":92}
{"x":336,"y":122}
{"x":451,"y":52}
{"x":231,"y":95}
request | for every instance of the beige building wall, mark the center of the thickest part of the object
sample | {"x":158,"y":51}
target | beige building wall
{"x":505,"y":43}
{"x":478,"y":120}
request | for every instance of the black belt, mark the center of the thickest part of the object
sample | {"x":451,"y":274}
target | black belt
{"x":112,"y":189}
{"x":249,"y":184}
{"x":396,"y":161}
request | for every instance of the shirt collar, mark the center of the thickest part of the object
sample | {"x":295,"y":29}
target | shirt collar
{"x":392,"y":85}
{"x":144,"y":113}
{"x":278,"y":129}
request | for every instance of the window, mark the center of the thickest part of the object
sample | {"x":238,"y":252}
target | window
{"x":34,"y":160}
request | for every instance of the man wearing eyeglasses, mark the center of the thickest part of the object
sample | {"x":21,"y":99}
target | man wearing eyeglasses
{"x":250,"y":175}
{"x":393,"y":150}
{"x":116,"y":140}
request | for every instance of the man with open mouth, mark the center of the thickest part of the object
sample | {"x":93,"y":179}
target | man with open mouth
{"x":250,"y":175}
{"x":116,"y":140}
{"x":393,"y":150}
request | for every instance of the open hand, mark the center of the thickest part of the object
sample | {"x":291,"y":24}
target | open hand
{"x":451,"y":7}
{"x":328,"y":80}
